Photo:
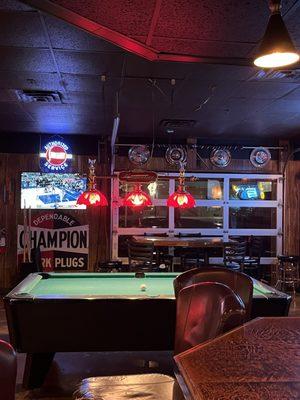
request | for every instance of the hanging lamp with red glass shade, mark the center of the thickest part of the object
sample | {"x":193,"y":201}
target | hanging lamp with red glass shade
{"x":181,"y":198}
{"x":92,"y":196}
{"x":137,"y":198}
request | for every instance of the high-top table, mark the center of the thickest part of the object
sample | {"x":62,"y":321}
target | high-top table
{"x":168,"y":241}
{"x":258,"y":361}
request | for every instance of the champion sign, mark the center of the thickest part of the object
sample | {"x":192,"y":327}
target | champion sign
{"x":62,"y":240}
{"x":55,"y":157}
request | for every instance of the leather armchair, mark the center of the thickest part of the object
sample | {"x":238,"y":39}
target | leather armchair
{"x":8,"y":371}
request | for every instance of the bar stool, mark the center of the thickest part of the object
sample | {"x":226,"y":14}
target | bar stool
{"x":288,"y":272}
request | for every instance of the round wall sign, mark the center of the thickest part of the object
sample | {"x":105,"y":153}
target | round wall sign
{"x":176,"y":155}
{"x":139,"y":155}
{"x":260,"y":157}
{"x":220,"y":158}
{"x":56,"y":154}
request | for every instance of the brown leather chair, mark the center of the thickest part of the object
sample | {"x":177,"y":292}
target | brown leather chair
{"x":240,"y":283}
{"x":8,"y":371}
{"x":204,"y":311}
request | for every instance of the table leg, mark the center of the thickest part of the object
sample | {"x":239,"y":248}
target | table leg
{"x":36,"y":368}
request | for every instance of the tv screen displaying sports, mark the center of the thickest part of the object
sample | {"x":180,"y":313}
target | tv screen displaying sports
{"x":51,"y":190}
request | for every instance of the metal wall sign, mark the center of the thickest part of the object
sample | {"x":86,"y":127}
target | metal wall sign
{"x":139,"y":155}
{"x":176,"y":155}
{"x":55,"y":155}
{"x":62,"y":240}
{"x":220,"y":158}
{"x":260,"y":157}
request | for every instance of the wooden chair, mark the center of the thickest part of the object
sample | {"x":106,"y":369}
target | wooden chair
{"x":251,"y":263}
{"x":204,"y":311}
{"x":191,"y":255}
{"x":8,"y":371}
{"x":234,"y":255}
{"x":141,"y":256}
{"x":162,"y":253}
{"x":241,"y":284}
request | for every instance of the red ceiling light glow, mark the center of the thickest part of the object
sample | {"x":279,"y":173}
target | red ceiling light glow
{"x":92,"y":196}
{"x":181,"y":198}
{"x":137,"y":198}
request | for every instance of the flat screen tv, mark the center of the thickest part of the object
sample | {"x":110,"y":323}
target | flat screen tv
{"x":51,"y":190}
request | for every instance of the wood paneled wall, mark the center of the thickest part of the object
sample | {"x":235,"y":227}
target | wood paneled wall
{"x":98,"y":219}
{"x":292,"y":209}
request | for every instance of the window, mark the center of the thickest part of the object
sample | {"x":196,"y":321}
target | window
{"x":252,"y":218}
{"x":156,"y":190}
{"x":227,"y":205}
{"x":199,"y":217}
{"x":149,"y":217}
{"x":208,"y":189}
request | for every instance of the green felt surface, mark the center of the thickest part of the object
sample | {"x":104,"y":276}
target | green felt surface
{"x":118,"y":284}
{"x":160,"y":284}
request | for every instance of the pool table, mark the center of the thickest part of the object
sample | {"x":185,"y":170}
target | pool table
{"x":62,"y":312}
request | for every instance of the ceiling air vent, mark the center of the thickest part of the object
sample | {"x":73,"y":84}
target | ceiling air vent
{"x":39,"y":96}
{"x":177,"y":123}
{"x":263,"y":75}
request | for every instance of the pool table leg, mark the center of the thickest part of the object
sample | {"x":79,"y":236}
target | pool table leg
{"x":36,"y":368}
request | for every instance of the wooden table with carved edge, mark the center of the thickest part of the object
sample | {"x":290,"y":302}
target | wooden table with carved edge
{"x":167,"y":241}
{"x":258,"y":361}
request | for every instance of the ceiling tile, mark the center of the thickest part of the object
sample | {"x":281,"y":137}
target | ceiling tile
{"x":295,"y":94}
{"x":41,"y":110}
{"x":66,"y":36}
{"x":130,"y":16}
{"x":29,"y":80}
{"x":89,"y":63}
{"x":263,"y":90}
{"x":26,"y":59}
{"x":14,"y":5}
{"x":227,"y":20}
{"x":27,"y":30}
{"x":284,"y":106}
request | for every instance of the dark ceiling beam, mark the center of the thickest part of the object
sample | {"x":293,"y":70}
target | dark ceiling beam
{"x":154,"y":20}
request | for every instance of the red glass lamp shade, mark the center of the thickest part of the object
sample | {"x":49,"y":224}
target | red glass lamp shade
{"x":92,"y":197}
{"x":137,"y":198}
{"x":181,"y":199}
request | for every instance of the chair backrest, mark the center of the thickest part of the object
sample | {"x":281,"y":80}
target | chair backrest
{"x":8,"y":371}
{"x":255,"y":246}
{"x":234,"y":250}
{"x":240,"y":283}
{"x":203,"y":312}
{"x":140,"y":252}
